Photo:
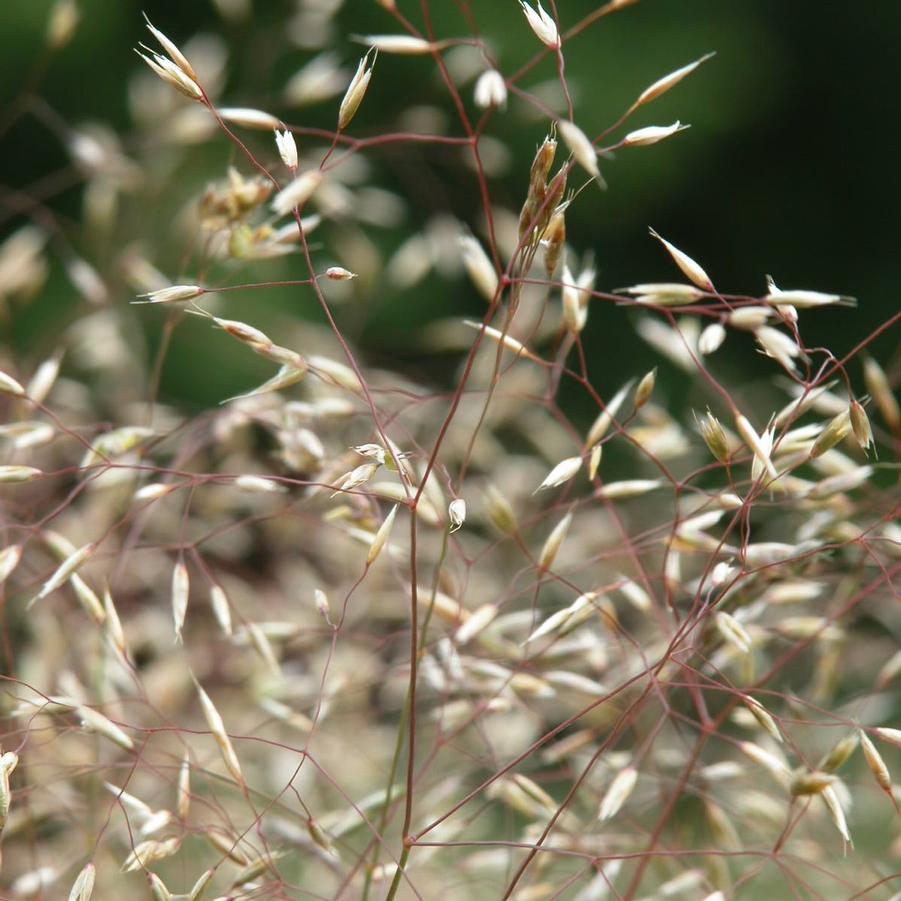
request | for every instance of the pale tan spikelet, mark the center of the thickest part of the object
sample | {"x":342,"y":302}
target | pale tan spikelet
{"x":287,"y":148}
{"x":578,"y":611}
{"x":651,"y":134}
{"x":860,"y":426}
{"x":17,"y":474}
{"x":221,"y":609}
{"x":618,"y":793}
{"x":62,"y":24}
{"x":875,"y":762}
{"x":94,"y":721}
{"x":893,"y":736}
{"x":263,"y":647}
{"x":580,"y":146}
{"x":158,"y":889}
{"x":711,"y":338}
{"x":250,"y":118}
{"x":355,"y":92}
{"x":335,"y":373}
{"x":381,"y":536}
{"x":508,"y":341}
{"x":763,"y":716}
{"x":44,"y":378}
{"x":8,"y":762}
{"x":200,"y":885}
{"x":183,"y":792}
{"x":476,"y":623}
{"x":833,"y":805}
{"x":768,"y":760}
{"x":881,"y":391}
{"x":561,"y":473}
{"x":297,"y":192}
{"x":490,"y":90}
{"x":258,"y":485}
{"x":542,"y":24}
{"x":254,"y":870}
{"x":839,"y":754}
{"x":645,"y":388}
{"x":749,"y":318}
{"x":733,"y":631}
{"x":479,"y":266}
{"x":9,"y":560}
{"x":320,"y":600}
{"x":401,"y":44}
{"x":150,"y":851}
{"x":173,"y":74}
{"x":594,"y":461}
{"x":83,"y":887}
{"x":721,"y":826}
{"x":180,"y":589}
{"x":635,"y":594}
{"x":690,"y":269}
{"x":322,"y":839}
{"x":605,"y":419}
{"x":500,"y":512}
{"x":339,"y":274}
{"x":172,"y":50}
{"x":87,"y":598}
{"x":628,"y":488}
{"x":662,"y":85}
{"x":755,"y":444}
{"x":552,"y":544}
{"x":75,"y":560}
{"x":8,"y":385}
{"x":836,"y":430}
{"x":113,"y":626}
{"x":802,"y":299}
{"x":217,"y":729}
{"x":810,"y":782}
{"x":226,"y":843}
{"x":456,"y":513}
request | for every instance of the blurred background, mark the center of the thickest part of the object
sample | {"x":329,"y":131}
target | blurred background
{"x":788,"y":167}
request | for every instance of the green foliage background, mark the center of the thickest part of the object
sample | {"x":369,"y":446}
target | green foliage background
{"x":788,"y":167}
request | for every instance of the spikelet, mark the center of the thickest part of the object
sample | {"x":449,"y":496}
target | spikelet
{"x":183,"y":793}
{"x":381,"y":536}
{"x":542,"y":25}
{"x":662,"y":85}
{"x":552,"y":544}
{"x":875,"y":762}
{"x":148,"y":852}
{"x":479,"y":267}
{"x":880,"y":390}
{"x":356,"y":91}
{"x":562,"y":472}
{"x":618,"y":793}
{"x":180,"y":590}
{"x":217,"y":729}
{"x":690,"y":269}
{"x":83,"y":887}
{"x":580,"y":146}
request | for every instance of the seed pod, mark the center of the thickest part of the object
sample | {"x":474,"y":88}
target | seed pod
{"x":860,"y":425}
{"x":714,"y":436}
{"x":554,"y":238}
{"x":542,"y":25}
{"x":180,"y":590}
{"x":580,"y":146}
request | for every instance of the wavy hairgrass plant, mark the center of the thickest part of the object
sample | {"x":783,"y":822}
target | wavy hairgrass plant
{"x":348,"y":636}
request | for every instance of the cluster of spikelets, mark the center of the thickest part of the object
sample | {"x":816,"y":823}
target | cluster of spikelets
{"x":346,"y":636}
